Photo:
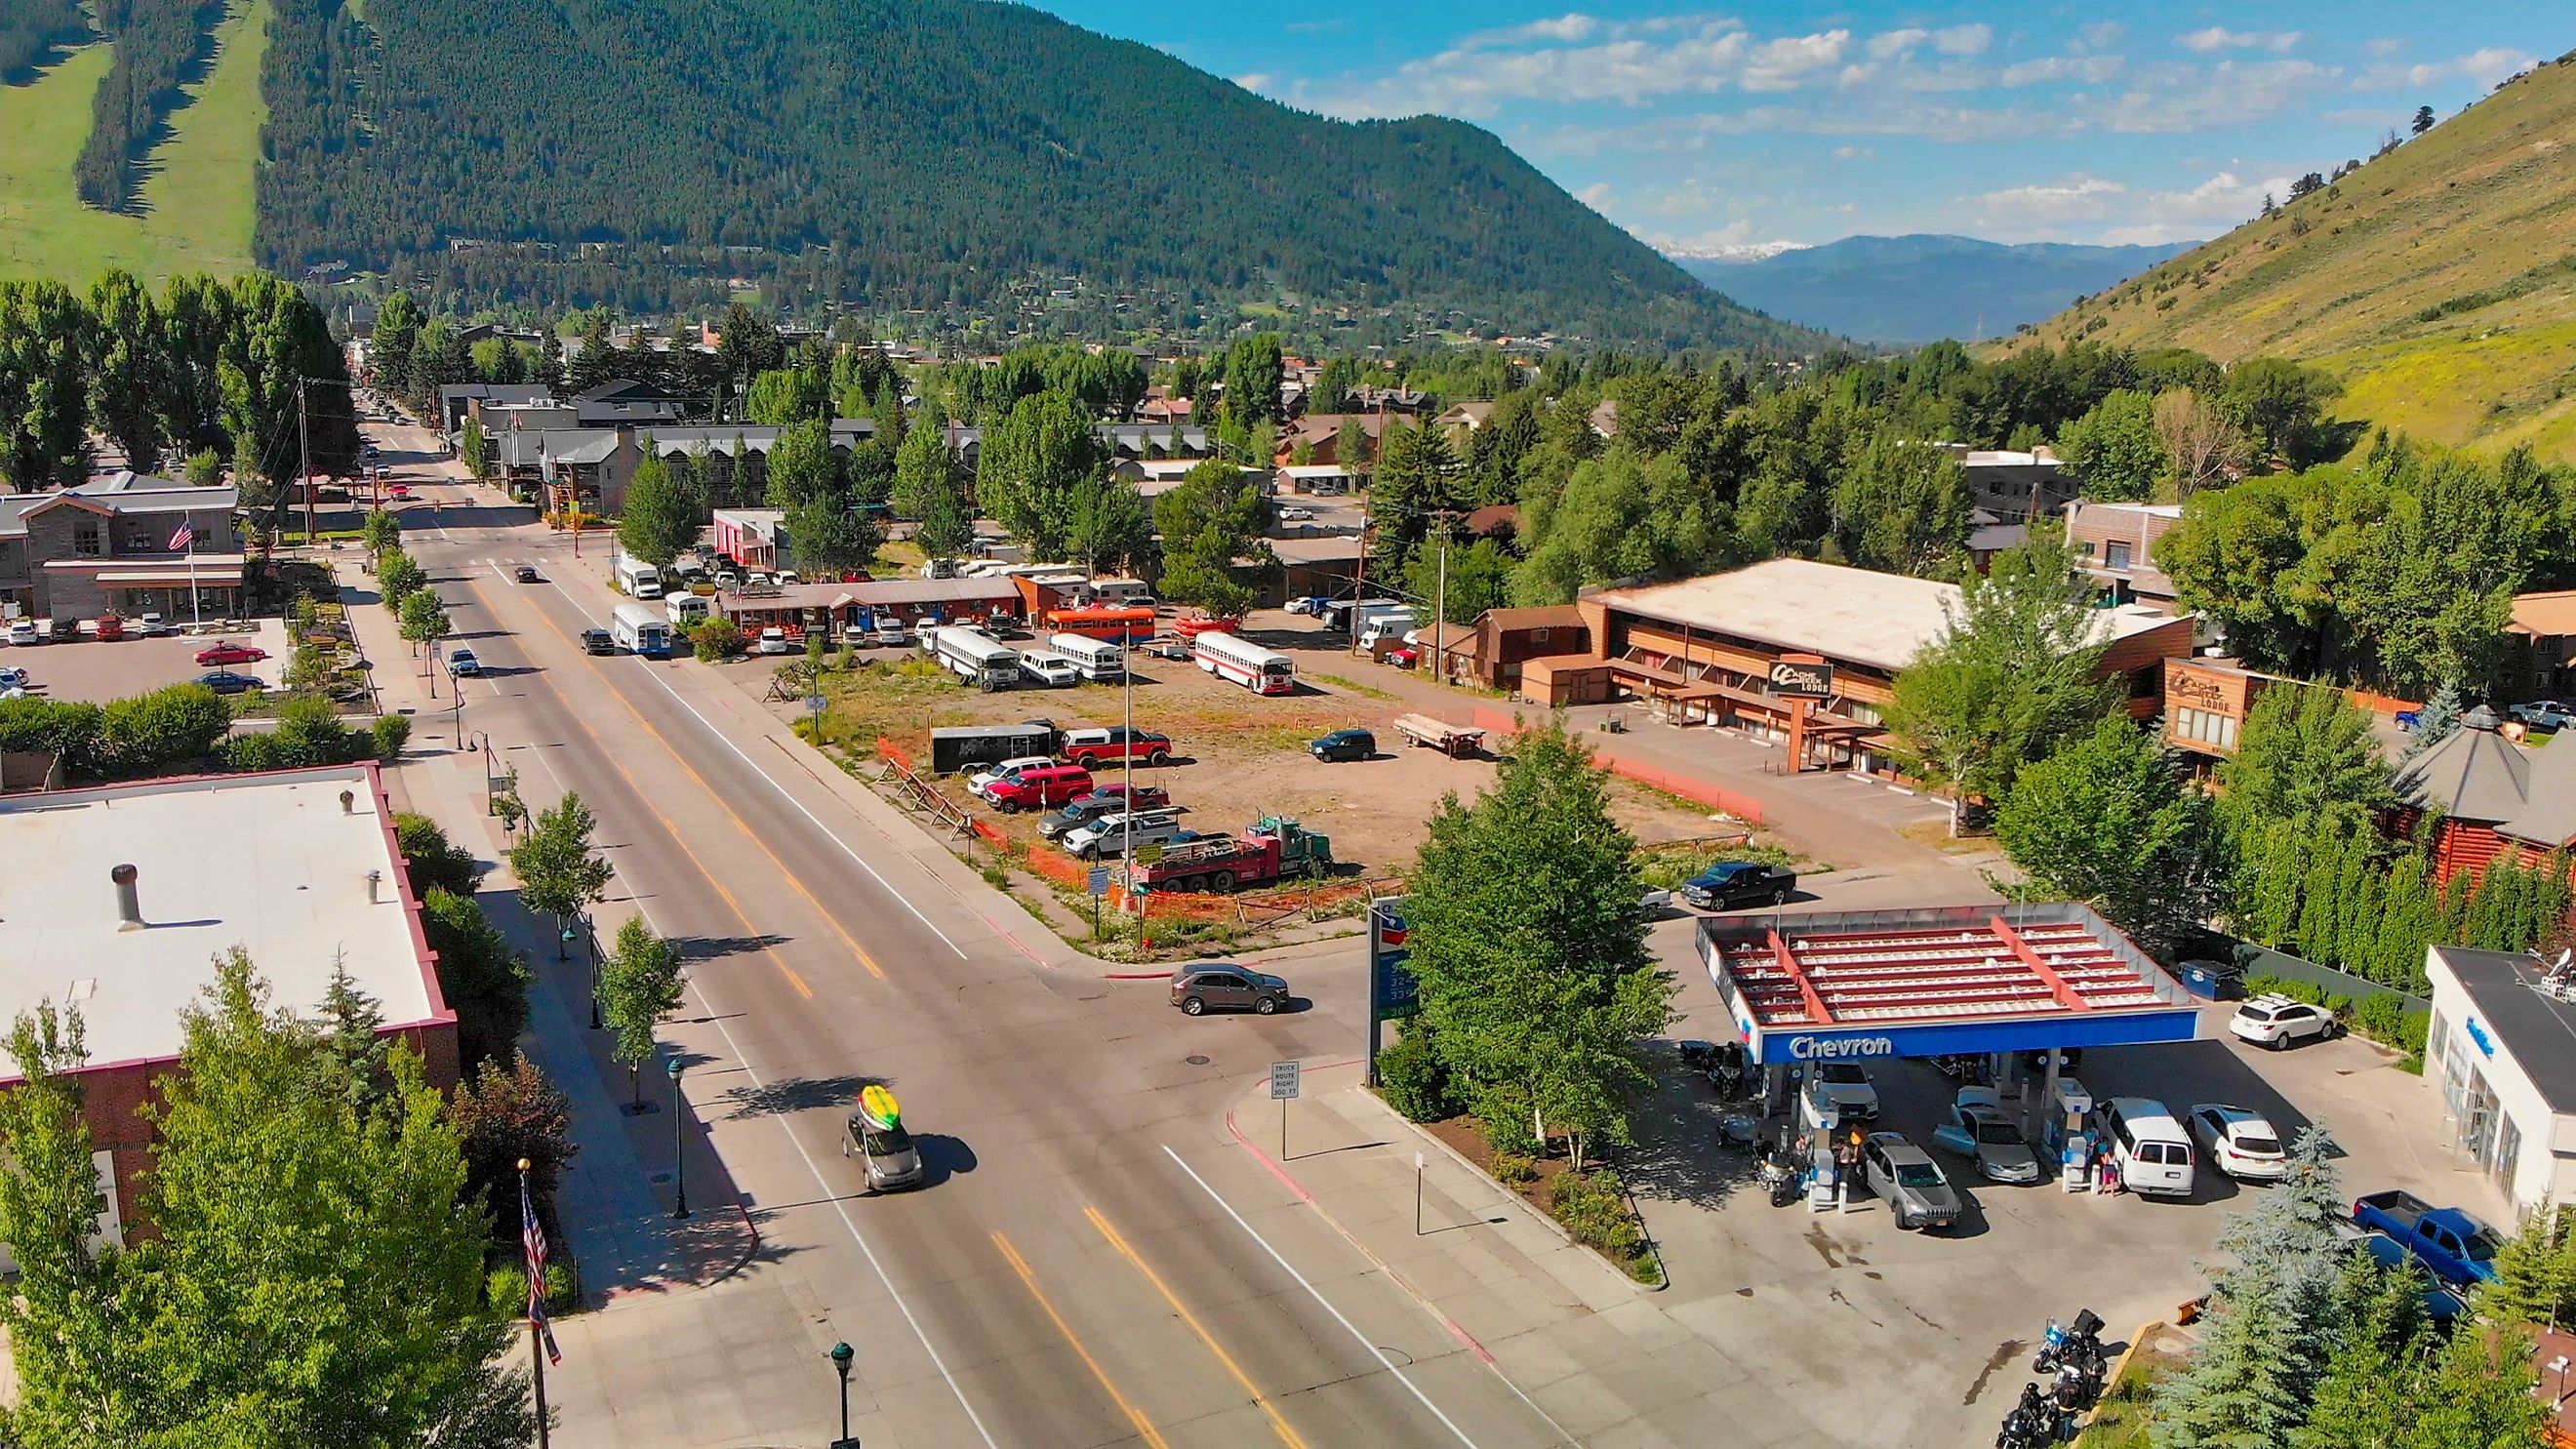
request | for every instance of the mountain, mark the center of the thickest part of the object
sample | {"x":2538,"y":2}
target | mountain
{"x":924,"y":154}
{"x":1905,"y":289}
{"x":2438,"y":281}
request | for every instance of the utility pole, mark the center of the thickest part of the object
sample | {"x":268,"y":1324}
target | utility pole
{"x":304,"y":460}
{"x":1440,"y":609}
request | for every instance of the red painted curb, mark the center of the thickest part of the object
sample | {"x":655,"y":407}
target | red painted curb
{"x":1134,"y":975}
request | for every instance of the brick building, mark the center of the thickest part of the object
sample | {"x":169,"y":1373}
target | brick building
{"x":105,"y":547}
{"x":115,"y":902}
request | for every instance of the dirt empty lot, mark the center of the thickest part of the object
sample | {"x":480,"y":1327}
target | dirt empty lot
{"x":1237,"y":755}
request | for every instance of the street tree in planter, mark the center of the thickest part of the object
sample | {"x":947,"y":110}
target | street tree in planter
{"x":424,"y":619}
{"x":559,"y":873}
{"x":398,"y":576}
{"x":1537,"y":988}
{"x":639,"y":985}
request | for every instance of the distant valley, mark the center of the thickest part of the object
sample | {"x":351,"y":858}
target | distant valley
{"x":1913,"y":289}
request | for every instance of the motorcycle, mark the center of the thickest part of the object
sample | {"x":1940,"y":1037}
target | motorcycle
{"x":2079,"y":1382}
{"x":1780,"y":1175}
{"x":2030,"y":1424}
{"x":2084,"y":1333}
{"x":1740,"y":1133}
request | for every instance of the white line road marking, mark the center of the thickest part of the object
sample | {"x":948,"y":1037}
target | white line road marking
{"x":784,"y":793}
{"x":1401,"y":1375}
{"x":830,"y":1193}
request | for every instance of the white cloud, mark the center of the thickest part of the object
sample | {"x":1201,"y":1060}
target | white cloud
{"x":2078,"y":198}
{"x":1964,"y":39}
{"x":2217,"y":38}
{"x":1564,"y":29}
{"x":2174,"y":98}
{"x":1628,"y":64}
{"x":2099,"y":34}
{"x":2201,"y":211}
{"x":1597,"y":195}
{"x":1259,"y":80}
{"x":2482,"y":68}
{"x":1895,"y":43}
{"x":1854,"y":153}
{"x":2384,"y":47}
{"x":2089,"y":69}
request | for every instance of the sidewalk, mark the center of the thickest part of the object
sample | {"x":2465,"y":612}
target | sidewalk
{"x":1596,"y":1353}
{"x":613,"y":1203}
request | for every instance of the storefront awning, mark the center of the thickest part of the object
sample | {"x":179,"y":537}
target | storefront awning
{"x":167,"y":578}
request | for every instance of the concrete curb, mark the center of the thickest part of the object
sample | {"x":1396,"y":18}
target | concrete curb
{"x":2111,"y":1376}
{"x":1522,"y":1204}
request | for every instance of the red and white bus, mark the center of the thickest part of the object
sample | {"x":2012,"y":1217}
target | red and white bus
{"x":1117,"y":625}
{"x":1231,"y":656}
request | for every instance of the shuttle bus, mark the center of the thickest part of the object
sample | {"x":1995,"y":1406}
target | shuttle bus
{"x":1095,"y":659}
{"x":978,"y":658}
{"x":1231,"y":656}
{"x":1117,"y":625}
{"x":642,"y":629}
{"x":638,"y":578}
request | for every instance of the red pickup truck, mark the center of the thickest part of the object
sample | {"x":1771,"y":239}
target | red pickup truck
{"x":1041,"y":788}
{"x":1096,"y":747}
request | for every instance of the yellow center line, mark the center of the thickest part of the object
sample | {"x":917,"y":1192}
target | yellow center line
{"x":677,"y":838}
{"x":1144,"y":1426}
{"x":1287,"y":1435}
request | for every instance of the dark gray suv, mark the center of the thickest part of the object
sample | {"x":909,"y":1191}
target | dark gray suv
{"x":1224,"y":986}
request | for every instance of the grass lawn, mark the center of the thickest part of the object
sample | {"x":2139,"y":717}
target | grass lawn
{"x":197,"y":194}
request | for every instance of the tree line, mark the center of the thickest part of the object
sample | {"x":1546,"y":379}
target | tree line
{"x":208,"y":369}
{"x":31,"y":28}
{"x":158,"y":45}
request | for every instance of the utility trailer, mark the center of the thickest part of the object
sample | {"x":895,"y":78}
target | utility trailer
{"x":1455,"y":741}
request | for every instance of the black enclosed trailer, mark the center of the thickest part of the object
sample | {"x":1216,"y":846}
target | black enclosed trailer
{"x":968,"y":746}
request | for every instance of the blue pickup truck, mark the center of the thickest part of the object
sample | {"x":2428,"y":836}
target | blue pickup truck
{"x":2456,"y":1247}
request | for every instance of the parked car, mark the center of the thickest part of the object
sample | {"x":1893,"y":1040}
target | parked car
{"x":1406,"y":657}
{"x":1039,"y":789}
{"x":525,"y":573}
{"x":25,"y":632}
{"x":463,"y":664}
{"x":1294,"y":514}
{"x":1054,"y":671}
{"x":108,"y":626}
{"x":1167,"y":646}
{"x":1095,"y":747}
{"x":1103,"y":800}
{"x":598,"y":641}
{"x":1111,"y":834}
{"x":1845,"y":1087}
{"x":225,"y":681}
{"x":2276,"y":1021}
{"x":1733,"y":883}
{"x":230,"y":653}
{"x":152,"y":626}
{"x":1224,"y":986}
{"x":1007,"y":769}
{"x":1311,"y":604}
{"x":2543,"y":714}
{"x":1904,"y":1177}
{"x":773,"y":640}
{"x":12,"y":678}
{"x":2244,"y":1144}
{"x":2456,"y":1247}
{"x":1344,"y":745}
{"x":892,"y":635}
{"x":1980,"y":1130}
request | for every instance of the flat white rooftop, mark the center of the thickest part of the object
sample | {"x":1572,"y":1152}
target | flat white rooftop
{"x":1844,"y":614}
{"x":270,"y":863}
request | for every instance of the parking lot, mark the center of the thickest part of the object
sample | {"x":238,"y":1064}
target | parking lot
{"x":98,"y":672}
{"x":1926,"y":1337}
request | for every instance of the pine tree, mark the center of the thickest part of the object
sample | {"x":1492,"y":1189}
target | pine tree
{"x":2435,"y":721}
{"x":351,"y":1020}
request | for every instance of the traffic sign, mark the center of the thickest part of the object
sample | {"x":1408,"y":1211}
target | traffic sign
{"x":815,"y":703}
{"x":1284,"y":1080}
{"x":1100,"y":880}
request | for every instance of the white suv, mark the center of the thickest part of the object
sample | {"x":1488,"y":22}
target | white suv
{"x":983,"y":780}
{"x":2243,"y":1143}
{"x":2276,"y":1021}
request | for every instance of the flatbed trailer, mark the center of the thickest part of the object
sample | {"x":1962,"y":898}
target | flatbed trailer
{"x":1448,"y":739}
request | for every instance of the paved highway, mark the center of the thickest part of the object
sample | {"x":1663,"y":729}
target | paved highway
{"x":1096,"y":1260}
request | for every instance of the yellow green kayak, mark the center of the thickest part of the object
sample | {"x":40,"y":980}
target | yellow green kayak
{"x":879,"y":1106}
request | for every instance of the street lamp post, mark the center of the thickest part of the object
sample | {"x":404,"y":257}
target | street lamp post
{"x":679,"y":1145}
{"x":590,"y":937}
{"x":841,"y":1355}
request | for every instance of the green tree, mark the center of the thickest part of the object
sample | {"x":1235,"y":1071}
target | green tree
{"x":785,"y":395}
{"x":204,"y":468}
{"x":44,"y":389}
{"x":1215,"y":516}
{"x":352,"y":1025}
{"x":1032,"y":465}
{"x":2307,"y":755}
{"x":1414,"y":485}
{"x":483,"y":978}
{"x":279,"y":341}
{"x":801,"y":464}
{"x":2437,"y":720}
{"x":1536,"y":984}
{"x":2011,"y":677}
{"x":1621,"y":516}
{"x":159,"y":731}
{"x":2423,"y":120}
{"x":1351,"y":446}
{"x":61,"y":1334}
{"x":398,"y":323}
{"x":198,"y":315}
{"x":2116,"y":448}
{"x":2107,"y":820}
{"x":1901,"y":507}
{"x":660,"y":522}
{"x":431,"y":860}
{"x":830,"y":532}
{"x":473,"y":449}
{"x":1480,"y":578}
{"x":560,"y":874}
{"x":640,"y":984}
{"x":2363,"y":1401}
{"x":1109,"y":526}
{"x":380,"y":532}
{"x":312,"y":1277}
{"x":424,"y":618}
{"x":127,"y":360}
{"x":1253,"y":372}
{"x":398,"y":578}
{"x":2283,"y":404}
{"x":923,"y":466}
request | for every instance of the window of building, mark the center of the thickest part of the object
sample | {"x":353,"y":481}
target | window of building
{"x":86,"y":539}
{"x":2433,"y":1038}
{"x":2084,"y":546}
{"x":2117,"y":555}
{"x":2144,"y":683}
{"x":1539,"y":636}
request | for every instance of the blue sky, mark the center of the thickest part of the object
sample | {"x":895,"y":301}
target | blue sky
{"x":1711,"y":129}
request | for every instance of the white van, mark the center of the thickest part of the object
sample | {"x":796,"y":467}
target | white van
{"x":1097,"y":659}
{"x":639,"y":579}
{"x":2154,"y":1153}
{"x":1385,"y":626}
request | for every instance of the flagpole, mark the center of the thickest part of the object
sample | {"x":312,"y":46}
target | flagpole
{"x":196,"y":600}
{"x":536,"y":1324}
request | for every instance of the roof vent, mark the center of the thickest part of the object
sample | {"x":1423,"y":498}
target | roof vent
{"x":129,"y":901}
{"x":348,"y":802}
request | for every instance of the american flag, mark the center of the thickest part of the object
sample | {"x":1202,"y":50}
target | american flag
{"x":186,"y":535}
{"x":535,"y":1239}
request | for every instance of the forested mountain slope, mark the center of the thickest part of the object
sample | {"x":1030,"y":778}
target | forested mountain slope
{"x":2438,"y":280}
{"x":914,"y":153}
{"x":1921,"y":288}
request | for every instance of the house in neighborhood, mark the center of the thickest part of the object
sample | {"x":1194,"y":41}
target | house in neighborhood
{"x":2491,"y":793}
{"x":1491,"y":651}
{"x":2115,"y":544}
{"x":2544,"y":627}
{"x":756,"y":536}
